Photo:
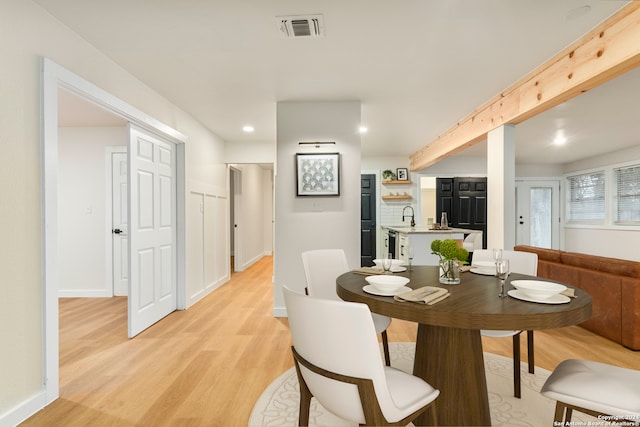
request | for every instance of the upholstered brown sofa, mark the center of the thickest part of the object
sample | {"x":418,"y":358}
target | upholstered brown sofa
{"x":614,"y":286}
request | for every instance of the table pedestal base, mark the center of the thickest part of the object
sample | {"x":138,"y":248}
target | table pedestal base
{"x":452,"y":361}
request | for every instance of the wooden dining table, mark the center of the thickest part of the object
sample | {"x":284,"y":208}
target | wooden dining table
{"x":448,"y":344}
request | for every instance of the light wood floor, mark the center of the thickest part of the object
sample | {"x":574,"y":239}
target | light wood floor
{"x":208,"y":365}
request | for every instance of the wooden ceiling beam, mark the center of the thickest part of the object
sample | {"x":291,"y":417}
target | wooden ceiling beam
{"x":611,"y":49}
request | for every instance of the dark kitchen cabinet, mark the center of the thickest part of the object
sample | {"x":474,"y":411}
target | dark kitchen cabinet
{"x":464,"y":199}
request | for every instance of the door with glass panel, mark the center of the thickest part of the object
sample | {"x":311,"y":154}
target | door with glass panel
{"x":538,"y":213}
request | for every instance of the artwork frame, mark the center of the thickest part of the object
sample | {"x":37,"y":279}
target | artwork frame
{"x":402,"y":174}
{"x":318,"y":174}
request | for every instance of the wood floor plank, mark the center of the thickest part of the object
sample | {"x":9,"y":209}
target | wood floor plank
{"x":207,"y":366}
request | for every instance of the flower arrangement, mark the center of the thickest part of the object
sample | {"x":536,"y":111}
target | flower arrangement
{"x":451,"y":256}
{"x":449,"y":250}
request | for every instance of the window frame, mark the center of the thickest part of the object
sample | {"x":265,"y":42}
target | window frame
{"x":571,"y":220}
{"x":610,"y":222}
{"x":617,"y":197}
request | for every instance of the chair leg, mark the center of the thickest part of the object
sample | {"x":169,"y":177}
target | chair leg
{"x":558,"y":417}
{"x":530,"y":357}
{"x":305,"y":399}
{"x":434,"y":414}
{"x":385,"y":348}
{"x":567,"y":417}
{"x":516,"y":366}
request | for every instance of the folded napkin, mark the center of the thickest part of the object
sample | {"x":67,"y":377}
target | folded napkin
{"x":369,"y":271}
{"x":426,"y":295}
{"x":570,"y":292}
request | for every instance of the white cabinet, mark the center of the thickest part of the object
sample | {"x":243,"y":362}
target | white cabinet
{"x":421,"y":244}
{"x":403,"y":247}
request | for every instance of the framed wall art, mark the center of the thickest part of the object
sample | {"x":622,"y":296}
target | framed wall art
{"x":318,"y":174}
{"x":403,"y":174}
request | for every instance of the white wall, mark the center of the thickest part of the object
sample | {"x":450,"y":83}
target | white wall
{"x":82,"y":208}
{"x":27,"y":32}
{"x":249,"y":152}
{"x":304,"y":223}
{"x":268,"y":213}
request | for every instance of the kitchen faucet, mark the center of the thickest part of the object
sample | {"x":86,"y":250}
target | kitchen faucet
{"x":413,"y":221}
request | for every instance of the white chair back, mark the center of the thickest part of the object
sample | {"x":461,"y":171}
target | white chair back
{"x":321,"y":268}
{"x":338,"y":336}
{"x":473,"y":242}
{"x":519,"y":261}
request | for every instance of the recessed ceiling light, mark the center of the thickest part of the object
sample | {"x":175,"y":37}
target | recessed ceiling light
{"x":362,"y":129}
{"x":247,"y":128}
{"x":560,"y":140}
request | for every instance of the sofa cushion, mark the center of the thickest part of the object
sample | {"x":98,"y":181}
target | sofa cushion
{"x":544,"y":254}
{"x":606,"y":296}
{"x":608,"y":265}
{"x":630,"y":289}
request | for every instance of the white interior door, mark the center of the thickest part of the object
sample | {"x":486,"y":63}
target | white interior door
{"x":152,"y":229}
{"x":538,"y":213}
{"x":119,"y":223}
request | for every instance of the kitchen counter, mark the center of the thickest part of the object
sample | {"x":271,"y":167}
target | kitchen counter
{"x":420,"y":230}
{"x":419,"y":240}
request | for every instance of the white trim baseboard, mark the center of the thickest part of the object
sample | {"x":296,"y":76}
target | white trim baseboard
{"x":24,"y":410}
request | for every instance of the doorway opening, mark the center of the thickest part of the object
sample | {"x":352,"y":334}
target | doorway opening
{"x":538,"y":213}
{"x":55,"y":77}
{"x":251,"y":213}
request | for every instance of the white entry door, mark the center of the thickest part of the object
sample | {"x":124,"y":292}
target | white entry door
{"x":538,"y":213}
{"x":152,"y":229}
{"x":119,"y":223}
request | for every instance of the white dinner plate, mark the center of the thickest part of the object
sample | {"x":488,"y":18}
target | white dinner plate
{"x":398,"y":269}
{"x":370,"y":289}
{"x":556,"y":299}
{"x":482,"y":271}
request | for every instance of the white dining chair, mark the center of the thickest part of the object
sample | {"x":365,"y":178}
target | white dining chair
{"x":338,"y":362}
{"x":523,"y":263}
{"x":473,"y":242}
{"x":321,"y":269}
{"x":610,"y":393}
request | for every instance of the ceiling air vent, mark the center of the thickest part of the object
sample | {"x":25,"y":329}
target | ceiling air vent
{"x":301,"y":25}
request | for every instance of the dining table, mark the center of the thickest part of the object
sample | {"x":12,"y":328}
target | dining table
{"x":449,"y":353}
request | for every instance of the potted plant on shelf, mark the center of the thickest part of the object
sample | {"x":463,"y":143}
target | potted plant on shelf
{"x":451,"y":256}
{"x":388,"y":175}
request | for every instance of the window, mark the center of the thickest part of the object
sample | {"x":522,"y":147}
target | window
{"x":627,"y":195}
{"x":587,"y":198}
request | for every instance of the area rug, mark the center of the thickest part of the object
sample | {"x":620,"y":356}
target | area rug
{"x":278,"y":404}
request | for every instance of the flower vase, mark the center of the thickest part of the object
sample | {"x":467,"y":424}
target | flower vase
{"x":450,"y":272}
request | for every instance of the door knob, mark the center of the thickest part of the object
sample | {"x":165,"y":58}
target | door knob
{"x":116,"y":231}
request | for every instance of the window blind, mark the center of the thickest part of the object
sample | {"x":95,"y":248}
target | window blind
{"x":587,"y":203}
{"x":627,"y":195}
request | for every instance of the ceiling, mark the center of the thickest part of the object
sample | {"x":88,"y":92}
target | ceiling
{"x":417,"y":66}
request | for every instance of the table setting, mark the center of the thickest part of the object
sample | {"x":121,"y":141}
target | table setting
{"x":450,"y":317}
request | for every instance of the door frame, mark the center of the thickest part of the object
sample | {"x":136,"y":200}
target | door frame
{"x":54,"y":77}
{"x":556,"y":207}
{"x":235,"y":178}
{"x":109,"y":260}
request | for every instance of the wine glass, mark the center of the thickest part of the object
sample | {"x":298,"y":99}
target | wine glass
{"x":502,"y":271}
{"x":411,"y":253}
{"x":386,"y":263}
{"x":497,"y":256}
